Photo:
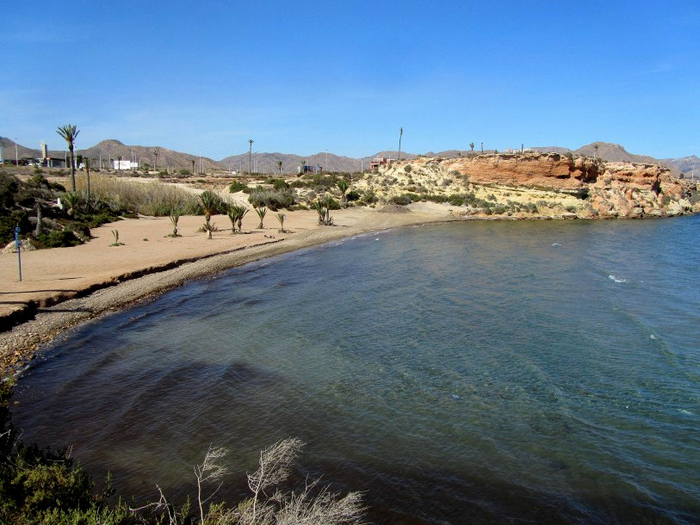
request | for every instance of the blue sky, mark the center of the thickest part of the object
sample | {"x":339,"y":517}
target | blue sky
{"x":309,"y":76}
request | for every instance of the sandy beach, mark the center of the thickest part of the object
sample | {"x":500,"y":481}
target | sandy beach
{"x":63,"y":287}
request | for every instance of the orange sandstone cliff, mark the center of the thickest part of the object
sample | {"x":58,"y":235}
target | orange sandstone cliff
{"x":560,"y":185}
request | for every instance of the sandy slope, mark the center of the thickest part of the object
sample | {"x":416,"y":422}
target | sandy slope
{"x":105,"y":278}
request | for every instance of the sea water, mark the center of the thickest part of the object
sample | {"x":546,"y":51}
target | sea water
{"x":468,"y":372}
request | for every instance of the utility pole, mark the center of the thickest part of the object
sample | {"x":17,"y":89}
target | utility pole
{"x":1,"y":160}
{"x":16,"y":156}
{"x":250,"y":156}
{"x":400,"y":135}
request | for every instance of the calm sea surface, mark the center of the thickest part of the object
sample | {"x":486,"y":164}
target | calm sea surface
{"x":470,"y":372}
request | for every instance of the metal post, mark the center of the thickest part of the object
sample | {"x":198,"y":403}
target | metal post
{"x":19,"y":255}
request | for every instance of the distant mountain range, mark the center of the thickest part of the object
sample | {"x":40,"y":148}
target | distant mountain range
{"x":159,"y":157}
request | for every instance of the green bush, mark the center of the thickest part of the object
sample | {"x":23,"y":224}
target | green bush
{"x":455,"y":200}
{"x":370,"y":197}
{"x":8,"y":222}
{"x":58,"y":239}
{"x":238,"y":186}
{"x":401,"y":200}
{"x":9,"y":185}
{"x":436,"y":198}
{"x":278,"y":184}
{"x":272,"y":199}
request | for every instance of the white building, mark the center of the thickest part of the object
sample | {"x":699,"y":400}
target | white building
{"x":125,"y":165}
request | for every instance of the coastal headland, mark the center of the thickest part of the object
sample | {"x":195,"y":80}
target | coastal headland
{"x":62,"y":287}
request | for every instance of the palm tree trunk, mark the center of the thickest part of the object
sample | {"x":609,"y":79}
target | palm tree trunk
{"x":72,"y":168}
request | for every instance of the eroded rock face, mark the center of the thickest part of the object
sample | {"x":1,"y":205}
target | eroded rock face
{"x":607,"y":189}
{"x":548,"y":170}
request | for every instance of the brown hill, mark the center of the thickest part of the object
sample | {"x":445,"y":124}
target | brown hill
{"x":688,"y":166}
{"x":155,"y":156}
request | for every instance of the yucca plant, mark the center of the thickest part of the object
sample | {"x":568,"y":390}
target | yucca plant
{"x":261,"y":211}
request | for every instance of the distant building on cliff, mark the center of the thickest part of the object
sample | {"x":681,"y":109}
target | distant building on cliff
{"x":379,"y":161}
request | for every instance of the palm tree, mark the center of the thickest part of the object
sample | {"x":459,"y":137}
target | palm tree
{"x":471,"y":145}
{"x":155,"y":153}
{"x":236,"y":214}
{"x":86,"y":161}
{"x":281,"y":217}
{"x":261,"y":211}
{"x":211,"y":205}
{"x":174,"y":218}
{"x":69,"y":133}
{"x":279,"y":165}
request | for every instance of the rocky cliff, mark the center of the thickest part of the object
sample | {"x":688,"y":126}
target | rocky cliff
{"x":544,"y":184}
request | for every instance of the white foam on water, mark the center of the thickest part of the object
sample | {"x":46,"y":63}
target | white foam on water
{"x":616,"y":279}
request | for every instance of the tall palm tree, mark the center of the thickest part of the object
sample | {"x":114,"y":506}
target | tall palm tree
{"x":471,"y":145}
{"x":69,"y":132}
{"x":279,"y":165}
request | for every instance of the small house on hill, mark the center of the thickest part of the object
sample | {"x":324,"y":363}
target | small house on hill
{"x":379,"y":161}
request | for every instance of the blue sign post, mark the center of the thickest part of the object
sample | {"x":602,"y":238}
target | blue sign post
{"x":19,"y":255}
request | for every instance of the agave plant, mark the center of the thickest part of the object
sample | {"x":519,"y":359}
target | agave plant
{"x":261,"y":211}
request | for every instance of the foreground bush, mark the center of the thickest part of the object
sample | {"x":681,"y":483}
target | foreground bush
{"x":43,"y":486}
